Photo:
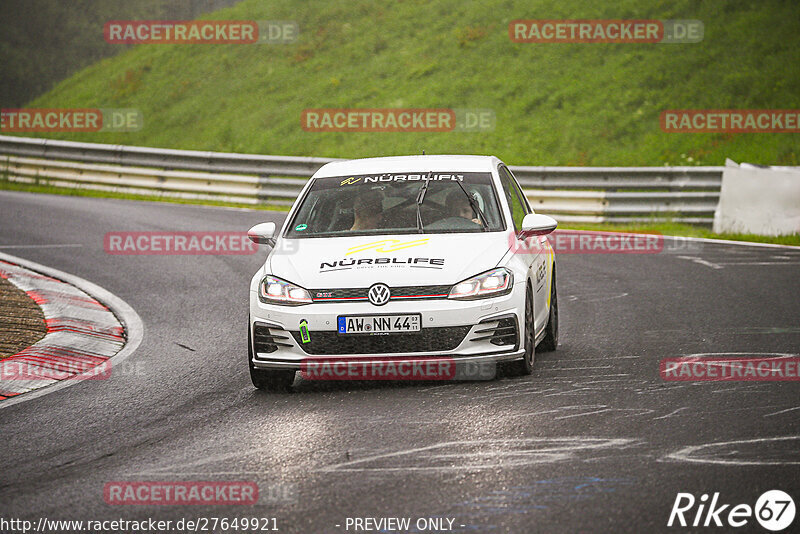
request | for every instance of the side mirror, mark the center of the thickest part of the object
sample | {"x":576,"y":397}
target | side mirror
{"x":538,"y":224}
{"x":262,"y":233}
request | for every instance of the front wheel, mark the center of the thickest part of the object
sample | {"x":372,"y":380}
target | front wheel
{"x":263,"y":379}
{"x":525,"y":365}
{"x":550,"y":341}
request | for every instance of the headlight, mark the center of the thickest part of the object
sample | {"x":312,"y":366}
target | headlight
{"x":489,"y":284}
{"x":276,"y":291}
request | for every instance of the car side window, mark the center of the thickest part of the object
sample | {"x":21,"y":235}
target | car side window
{"x":519,"y":191}
{"x":516,"y":201}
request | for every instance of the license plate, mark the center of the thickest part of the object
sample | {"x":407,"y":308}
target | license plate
{"x":378,"y":324}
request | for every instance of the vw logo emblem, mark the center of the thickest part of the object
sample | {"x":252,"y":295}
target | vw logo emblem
{"x":379,"y":294}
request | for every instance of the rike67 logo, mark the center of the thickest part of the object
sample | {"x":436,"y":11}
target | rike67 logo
{"x":774,"y":510}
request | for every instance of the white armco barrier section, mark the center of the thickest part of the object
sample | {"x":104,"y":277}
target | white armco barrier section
{"x":755,"y":200}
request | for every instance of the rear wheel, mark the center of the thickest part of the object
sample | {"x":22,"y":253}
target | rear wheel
{"x":550,"y":341}
{"x":525,"y":365}
{"x":263,"y":379}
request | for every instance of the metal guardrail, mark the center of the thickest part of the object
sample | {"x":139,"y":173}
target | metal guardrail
{"x":180,"y":184}
{"x":572,"y":194}
{"x":162,"y":158}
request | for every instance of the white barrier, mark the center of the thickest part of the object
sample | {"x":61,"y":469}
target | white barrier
{"x":762,"y":201}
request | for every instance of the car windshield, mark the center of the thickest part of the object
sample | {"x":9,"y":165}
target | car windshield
{"x":387,"y":204}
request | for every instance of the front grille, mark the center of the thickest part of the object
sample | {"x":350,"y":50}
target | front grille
{"x":420,"y":291}
{"x":499,"y":331}
{"x":398,"y":293}
{"x":267,"y":338}
{"x":426,"y":340}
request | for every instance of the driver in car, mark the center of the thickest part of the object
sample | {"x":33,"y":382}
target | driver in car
{"x":367,"y":210}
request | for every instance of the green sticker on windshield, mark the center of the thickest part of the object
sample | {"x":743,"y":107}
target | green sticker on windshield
{"x":300,"y":227}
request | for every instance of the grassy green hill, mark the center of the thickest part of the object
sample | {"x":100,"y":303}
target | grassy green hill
{"x":556,"y":104}
{"x":44,"y":41}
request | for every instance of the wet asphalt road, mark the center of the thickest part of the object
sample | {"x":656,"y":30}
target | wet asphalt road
{"x":594,"y":441}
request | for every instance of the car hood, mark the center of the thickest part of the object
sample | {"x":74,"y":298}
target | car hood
{"x":416,"y":259}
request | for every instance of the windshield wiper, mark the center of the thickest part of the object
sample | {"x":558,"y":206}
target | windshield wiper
{"x":476,"y":207}
{"x":420,"y":199}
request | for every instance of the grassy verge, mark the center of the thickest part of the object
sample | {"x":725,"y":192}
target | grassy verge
{"x":555,"y":103}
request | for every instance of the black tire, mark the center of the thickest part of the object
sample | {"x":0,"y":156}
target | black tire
{"x":263,"y":379}
{"x":550,"y":340}
{"x":524,"y":366}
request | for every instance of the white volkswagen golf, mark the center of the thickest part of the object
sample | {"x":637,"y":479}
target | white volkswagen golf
{"x":404,"y":259}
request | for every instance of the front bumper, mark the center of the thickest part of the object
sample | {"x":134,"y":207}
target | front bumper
{"x":467,"y":331}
